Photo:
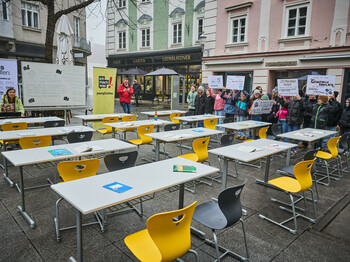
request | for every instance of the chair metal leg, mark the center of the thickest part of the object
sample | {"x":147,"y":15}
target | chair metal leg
{"x":324,"y":176}
{"x":195,"y":253}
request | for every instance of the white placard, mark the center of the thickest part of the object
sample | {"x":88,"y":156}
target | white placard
{"x":320,"y":85}
{"x":261,"y":107}
{"x":8,"y":75}
{"x":53,"y":85}
{"x":215,"y":82}
{"x":235,"y":82}
{"x":288,"y":87}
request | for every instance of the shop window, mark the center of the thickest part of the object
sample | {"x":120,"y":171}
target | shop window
{"x":238,"y":29}
{"x":146,"y":36}
{"x":122,"y":40}
{"x":30,"y":15}
{"x":296,"y":23}
{"x":177,"y":33}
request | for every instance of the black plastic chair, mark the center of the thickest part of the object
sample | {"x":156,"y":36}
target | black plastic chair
{"x":344,"y":149}
{"x":54,"y":123}
{"x":189,"y":113}
{"x":171,"y":127}
{"x":76,"y":137}
{"x":276,"y":129}
{"x":229,"y":120}
{"x":222,"y":214}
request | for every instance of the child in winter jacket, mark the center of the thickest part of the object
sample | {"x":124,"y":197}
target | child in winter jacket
{"x":219,"y":104}
{"x":242,"y":104}
{"x":229,"y":98}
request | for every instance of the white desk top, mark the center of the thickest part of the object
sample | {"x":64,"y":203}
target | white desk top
{"x":29,"y":120}
{"x":252,"y":150}
{"x":307,"y":134}
{"x":88,"y":195}
{"x":196,"y":118}
{"x":52,"y":131}
{"x":129,"y":124}
{"x":41,"y":154}
{"x":244,"y":125}
{"x":176,"y":135}
{"x":100,"y":116}
{"x":163,"y":113}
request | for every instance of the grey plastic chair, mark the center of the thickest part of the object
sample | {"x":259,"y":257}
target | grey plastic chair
{"x":54,"y":123}
{"x":222,"y":214}
{"x":229,"y":120}
{"x":276,"y":129}
{"x":76,"y":137}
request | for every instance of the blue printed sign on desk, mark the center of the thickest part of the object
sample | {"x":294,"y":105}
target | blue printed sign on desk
{"x":117,"y":187}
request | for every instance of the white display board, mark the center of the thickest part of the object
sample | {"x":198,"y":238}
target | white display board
{"x":288,"y":87}
{"x":8,"y":76}
{"x":53,"y":85}
{"x":235,"y":82}
{"x":320,"y":85}
{"x":261,"y":107}
{"x":215,"y":82}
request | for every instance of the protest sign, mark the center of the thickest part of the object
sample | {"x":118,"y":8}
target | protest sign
{"x":215,"y":82}
{"x":261,"y":107}
{"x":235,"y":82}
{"x":288,"y":87}
{"x":8,"y":75}
{"x":320,"y":85}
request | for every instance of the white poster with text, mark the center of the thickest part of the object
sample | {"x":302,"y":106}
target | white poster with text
{"x":288,"y":87}
{"x":235,"y":82}
{"x":8,"y":76}
{"x":261,"y":107}
{"x":322,"y":85}
{"x":215,"y":82}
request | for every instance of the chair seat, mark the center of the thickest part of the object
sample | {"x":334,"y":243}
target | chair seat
{"x":126,"y":129}
{"x":190,"y":156}
{"x":324,"y":155}
{"x":103,"y":131}
{"x":286,"y":183}
{"x":139,"y":141}
{"x":248,"y":140}
{"x":210,"y":215}
{"x":142,"y":246}
{"x":287,"y":169}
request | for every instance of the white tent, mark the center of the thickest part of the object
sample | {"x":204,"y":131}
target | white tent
{"x":64,"y":42}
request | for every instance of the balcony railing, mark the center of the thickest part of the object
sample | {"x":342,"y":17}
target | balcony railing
{"x":82,"y":43}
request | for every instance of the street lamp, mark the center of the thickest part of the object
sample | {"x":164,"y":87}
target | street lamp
{"x":202,"y":39}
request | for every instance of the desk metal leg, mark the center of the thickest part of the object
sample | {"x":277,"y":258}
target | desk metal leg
{"x":124,"y":135}
{"x":7,"y":179}
{"x":79,"y":238}
{"x":224,"y":174}
{"x":22,"y":209}
{"x":267,"y":171}
{"x":113,"y":132}
{"x":288,"y":156}
{"x":157,"y":149}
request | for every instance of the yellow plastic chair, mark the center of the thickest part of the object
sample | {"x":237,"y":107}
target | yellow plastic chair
{"x":127,"y":119}
{"x":164,"y":239}
{"x":108,"y":129}
{"x":172,"y":115}
{"x":142,"y":131}
{"x":13,"y":127}
{"x":210,"y":123}
{"x":34,"y":141}
{"x":262,"y":134}
{"x":299,"y":184}
{"x":73,"y":170}
{"x":327,"y":157}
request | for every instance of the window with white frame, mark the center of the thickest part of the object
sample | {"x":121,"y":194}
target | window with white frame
{"x":296,"y":20}
{"x":121,"y":3}
{"x":145,"y":37}
{"x":30,"y":15}
{"x":200,"y":27}
{"x":177,"y":33}
{"x":238,"y":29}
{"x":5,"y":14}
{"x":76,"y":24}
{"x":145,"y":1}
{"x":122,"y":40}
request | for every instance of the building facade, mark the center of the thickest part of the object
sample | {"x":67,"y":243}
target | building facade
{"x":23,"y":31}
{"x":152,"y":34}
{"x":266,"y":40}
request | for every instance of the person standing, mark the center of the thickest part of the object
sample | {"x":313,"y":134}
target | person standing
{"x":219,"y":104}
{"x":242,"y":106}
{"x":199,"y":102}
{"x":209,"y":103}
{"x":11,"y":103}
{"x":308,"y":100}
{"x":125,"y":91}
{"x":344,"y":121}
{"x":191,"y":97}
{"x":230,"y":102}
{"x":335,"y":111}
{"x":137,"y":89}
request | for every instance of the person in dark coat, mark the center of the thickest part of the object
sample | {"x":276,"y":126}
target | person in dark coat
{"x":137,"y":89}
{"x":229,"y":97}
{"x":344,"y":121}
{"x":199,"y":102}
{"x":335,"y":111}
{"x":209,"y":103}
{"x":308,"y":101}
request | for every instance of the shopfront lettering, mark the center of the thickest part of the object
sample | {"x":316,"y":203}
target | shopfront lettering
{"x":138,"y":60}
{"x":116,"y":62}
{"x":176,"y":58}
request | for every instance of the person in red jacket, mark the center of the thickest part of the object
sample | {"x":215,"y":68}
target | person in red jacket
{"x":125,"y":91}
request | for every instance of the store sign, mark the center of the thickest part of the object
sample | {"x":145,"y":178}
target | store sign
{"x":322,"y":85}
{"x":176,"y":58}
{"x":288,"y":87}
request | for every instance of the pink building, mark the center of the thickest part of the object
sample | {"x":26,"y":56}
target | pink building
{"x":266,"y":40}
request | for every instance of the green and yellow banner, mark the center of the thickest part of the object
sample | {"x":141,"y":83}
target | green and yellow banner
{"x":103,"y":92}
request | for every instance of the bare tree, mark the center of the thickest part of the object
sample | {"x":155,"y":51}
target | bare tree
{"x":52,"y":18}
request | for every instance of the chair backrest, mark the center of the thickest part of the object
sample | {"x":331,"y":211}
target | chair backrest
{"x":145,"y":129}
{"x":72,"y":170}
{"x":343,"y":142}
{"x":34,"y":141}
{"x":76,"y":137}
{"x":210,"y":123}
{"x":170,"y":127}
{"x":189,"y":113}
{"x":172,"y":238}
{"x":332,"y":146}
{"x":110,"y":119}
{"x":119,"y":161}
{"x":229,"y":120}
{"x":276,"y":129}
{"x":262,"y":132}
{"x":229,"y":202}
{"x":302,"y":172}
{"x":310,"y":155}
{"x":200,"y":147}
{"x":226,"y":140}
{"x":129,"y":118}
{"x":176,"y":114}
{"x":54,"y":123}
{"x":14,"y":126}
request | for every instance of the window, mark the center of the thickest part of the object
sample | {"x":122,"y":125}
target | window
{"x":146,"y":37}
{"x":76,"y":24}
{"x":122,"y":40}
{"x":121,"y":3}
{"x":5,"y":10}
{"x":145,"y":1}
{"x":238,"y":31}
{"x":177,"y":32}
{"x":200,"y":27}
{"x":296,"y":21}
{"x":30,"y":15}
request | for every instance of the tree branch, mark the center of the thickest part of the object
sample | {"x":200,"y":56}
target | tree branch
{"x":73,"y":8}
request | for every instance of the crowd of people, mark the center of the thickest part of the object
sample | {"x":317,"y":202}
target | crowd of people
{"x":293,"y":113}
